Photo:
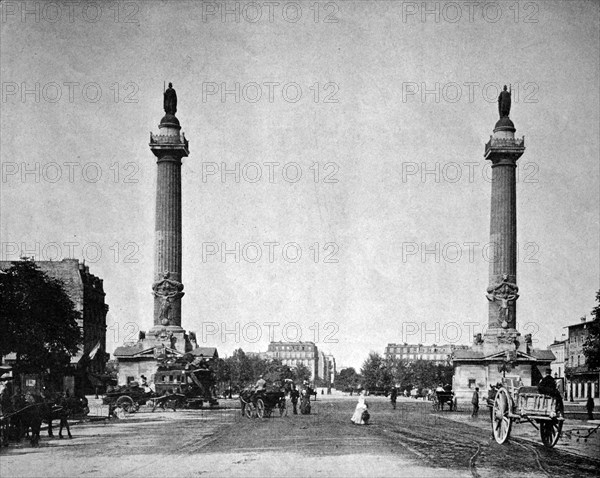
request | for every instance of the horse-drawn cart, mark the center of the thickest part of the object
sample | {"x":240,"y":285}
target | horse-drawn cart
{"x":440,"y":398}
{"x":261,"y":403}
{"x":512,"y":403}
{"x":129,"y":398}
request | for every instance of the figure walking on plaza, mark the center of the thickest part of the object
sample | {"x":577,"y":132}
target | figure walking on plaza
{"x":294,"y":395}
{"x":475,"y":402}
{"x":394,"y":397}
{"x":361,"y":413}
{"x":590,"y":407}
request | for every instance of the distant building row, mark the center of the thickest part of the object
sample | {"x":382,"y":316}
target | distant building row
{"x":433,"y":353}
{"x":321,"y":365}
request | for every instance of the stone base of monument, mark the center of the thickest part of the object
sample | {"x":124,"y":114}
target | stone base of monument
{"x":497,"y":354}
{"x":152,"y":348}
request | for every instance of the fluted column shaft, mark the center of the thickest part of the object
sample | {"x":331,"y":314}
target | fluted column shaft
{"x":503,"y":235}
{"x":167,"y":245}
{"x":503,"y":150}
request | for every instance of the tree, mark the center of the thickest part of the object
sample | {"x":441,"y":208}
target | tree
{"x":374,"y":372}
{"x":38,"y":320}
{"x":240,"y":366}
{"x":347,"y":379}
{"x":302,"y":372}
{"x":591,"y":346}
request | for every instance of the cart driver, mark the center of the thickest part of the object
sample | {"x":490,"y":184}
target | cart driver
{"x":547,"y":386}
{"x":261,"y":384}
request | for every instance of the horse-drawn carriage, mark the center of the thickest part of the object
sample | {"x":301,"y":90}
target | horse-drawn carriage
{"x":129,"y":397}
{"x":262,"y":403}
{"x":439,"y":398}
{"x":510,"y":402}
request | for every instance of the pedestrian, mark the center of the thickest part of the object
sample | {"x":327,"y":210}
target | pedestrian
{"x":590,"y":407}
{"x":294,"y":395}
{"x":394,"y":397}
{"x":361,"y":414}
{"x":475,"y":402}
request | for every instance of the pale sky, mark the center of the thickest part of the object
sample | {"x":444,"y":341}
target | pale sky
{"x":361,"y":122}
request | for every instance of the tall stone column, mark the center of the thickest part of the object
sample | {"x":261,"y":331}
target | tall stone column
{"x":169,"y":147}
{"x":503,"y":150}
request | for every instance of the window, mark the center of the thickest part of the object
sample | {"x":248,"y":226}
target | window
{"x":471,"y":383}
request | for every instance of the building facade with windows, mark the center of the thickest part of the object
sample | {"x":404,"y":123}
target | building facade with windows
{"x":326,"y":368}
{"x":440,"y":354}
{"x":558,"y":348}
{"x":294,"y":353}
{"x":581,"y":380}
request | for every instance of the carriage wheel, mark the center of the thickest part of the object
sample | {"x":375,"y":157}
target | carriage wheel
{"x":250,"y":410}
{"x":126,"y":403}
{"x":501,"y":422}
{"x":550,"y":431}
{"x":260,"y":408}
{"x":283,"y":411}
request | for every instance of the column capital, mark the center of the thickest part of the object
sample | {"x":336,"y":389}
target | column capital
{"x":504,"y":151}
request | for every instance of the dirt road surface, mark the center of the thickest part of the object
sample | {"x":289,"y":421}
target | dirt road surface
{"x":409,"y":441}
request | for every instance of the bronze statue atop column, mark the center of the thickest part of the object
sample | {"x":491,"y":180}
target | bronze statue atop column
{"x":170,"y":100}
{"x":503,"y":102}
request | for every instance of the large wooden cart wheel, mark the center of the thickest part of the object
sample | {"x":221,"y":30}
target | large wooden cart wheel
{"x":250,"y":410}
{"x":501,"y":422}
{"x":550,"y":431}
{"x":126,"y":403}
{"x":260,"y":408}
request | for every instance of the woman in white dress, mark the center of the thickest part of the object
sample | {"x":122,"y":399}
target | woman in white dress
{"x":361,"y":414}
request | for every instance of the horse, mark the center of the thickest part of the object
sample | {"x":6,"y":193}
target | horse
{"x":62,"y":408}
{"x":26,"y":413}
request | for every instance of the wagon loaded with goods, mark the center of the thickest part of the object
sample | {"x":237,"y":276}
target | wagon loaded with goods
{"x":184,"y":386}
{"x":510,"y":403}
{"x":128,"y":398}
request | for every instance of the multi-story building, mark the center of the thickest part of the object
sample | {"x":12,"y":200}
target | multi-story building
{"x":294,"y":353}
{"x":411,"y":352}
{"x":558,"y":348}
{"x":87,"y":293}
{"x":582,"y":381}
{"x":326,"y":368}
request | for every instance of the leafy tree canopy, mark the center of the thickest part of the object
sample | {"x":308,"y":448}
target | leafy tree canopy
{"x":38,"y":320}
{"x":347,"y":378}
{"x":241,"y":370}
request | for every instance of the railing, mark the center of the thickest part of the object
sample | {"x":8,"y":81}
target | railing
{"x":505,"y":143}
{"x":168,"y":139}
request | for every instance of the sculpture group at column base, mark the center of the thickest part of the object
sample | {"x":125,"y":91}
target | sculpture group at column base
{"x":500,"y":340}
{"x":171,"y":336}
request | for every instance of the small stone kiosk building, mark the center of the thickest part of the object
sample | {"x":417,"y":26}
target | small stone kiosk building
{"x":501,"y":350}
{"x":166,"y":339}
